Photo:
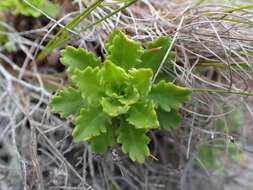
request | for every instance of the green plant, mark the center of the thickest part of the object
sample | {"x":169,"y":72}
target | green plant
{"x":213,"y":153}
{"x":20,"y":7}
{"x":3,"y":38}
{"x":117,"y":97}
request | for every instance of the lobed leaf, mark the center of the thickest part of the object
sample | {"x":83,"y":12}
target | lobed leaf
{"x":123,"y":52}
{"x":88,"y":82}
{"x":143,"y":115}
{"x":168,"y":120}
{"x":78,"y":58}
{"x":134,"y":142}
{"x":101,"y":143}
{"x":112,"y":76}
{"x":68,"y":102}
{"x":168,"y":95}
{"x":130,"y":96}
{"x":142,"y":80}
{"x":113,"y":107}
{"x":110,"y":39}
{"x":90,"y":123}
{"x":155,"y":52}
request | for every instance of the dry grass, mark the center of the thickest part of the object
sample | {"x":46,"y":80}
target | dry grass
{"x":36,"y":146}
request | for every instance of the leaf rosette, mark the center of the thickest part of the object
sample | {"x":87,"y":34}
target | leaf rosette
{"x":117,"y":98}
{"x":118,"y":91}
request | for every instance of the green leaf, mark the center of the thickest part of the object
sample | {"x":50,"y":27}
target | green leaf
{"x":116,"y":84}
{"x":68,"y":102}
{"x":143,"y":115}
{"x":168,"y":95}
{"x":134,"y":142}
{"x":110,"y":39}
{"x":4,"y":5}
{"x":89,"y":85}
{"x":78,"y":58}
{"x":112,"y":76}
{"x":101,"y":143}
{"x":113,"y":107}
{"x":130,"y":95}
{"x":91,"y":122}
{"x":155,"y":52}
{"x":3,"y":38}
{"x":124,"y":52}
{"x":22,"y":8}
{"x":168,"y":120}
{"x":164,"y":76}
{"x":142,"y":80}
{"x":51,"y":9}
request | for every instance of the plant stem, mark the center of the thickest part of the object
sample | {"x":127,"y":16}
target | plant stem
{"x":238,"y":8}
{"x":237,"y":21}
{"x":233,"y":9}
{"x":63,"y":35}
{"x":115,"y":3}
{"x":107,"y":16}
{"x":220,"y":91}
